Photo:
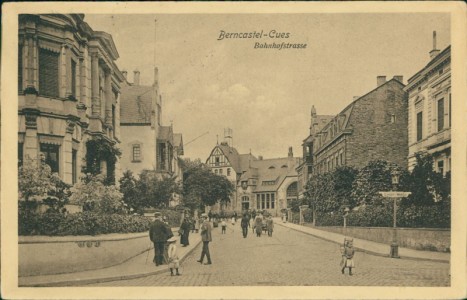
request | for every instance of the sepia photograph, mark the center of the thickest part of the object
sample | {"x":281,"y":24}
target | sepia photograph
{"x":284,"y":152}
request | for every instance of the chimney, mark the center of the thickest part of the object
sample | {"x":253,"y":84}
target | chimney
{"x":290,"y":152}
{"x":380,"y":80}
{"x":399,"y":78}
{"x":156,"y":76}
{"x":136,"y":77}
{"x":125,"y":74}
{"x":435,"y":51}
{"x":260,"y":157}
{"x":355,"y":98}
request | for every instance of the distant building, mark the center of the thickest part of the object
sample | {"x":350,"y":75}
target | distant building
{"x":146,"y":143}
{"x":269,"y":184}
{"x":305,"y":167}
{"x":261,"y":184}
{"x":68,"y":93}
{"x":225,"y":160}
{"x":372,"y":127}
{"x":429,"y":123}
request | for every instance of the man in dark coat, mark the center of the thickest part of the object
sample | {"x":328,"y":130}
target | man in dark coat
{"x":159,"y":233}
{"x":185,"y":232}
{"x":206,"y":238}
{"x":245,"y":223}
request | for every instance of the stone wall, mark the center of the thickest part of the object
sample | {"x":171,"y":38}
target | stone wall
{"x":414,"y":238}
{"x":43,"y":255}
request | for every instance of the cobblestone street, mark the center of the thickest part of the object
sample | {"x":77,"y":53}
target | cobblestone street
{"x":290,"y":258}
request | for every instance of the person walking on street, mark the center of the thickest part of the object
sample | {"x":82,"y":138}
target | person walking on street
{"x":258,"y":225}
{"x":270,"y":225}
{"x":196,"y":224}
{"x":172,"y":255}
{"x":223,"y":226}
{"x":245,"y":223}
{"x":185,"y":232}
{"x":159,"y":233}
{"x":206,"y":238}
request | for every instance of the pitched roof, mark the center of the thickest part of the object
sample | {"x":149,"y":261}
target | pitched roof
{"x":165,"y":134}
{"x":135,"y":105}
{"x":232,"y":155}
{"x":267,"y":170}
{"x":245,"y":161}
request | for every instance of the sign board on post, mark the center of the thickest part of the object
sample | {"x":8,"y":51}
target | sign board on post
{"x":395,"y":194}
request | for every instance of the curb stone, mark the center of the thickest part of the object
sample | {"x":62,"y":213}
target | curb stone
{"x":365,"y":250}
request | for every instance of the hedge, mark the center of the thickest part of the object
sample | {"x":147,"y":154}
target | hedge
{"x":434,"y":216}
{"x":85,"y":223}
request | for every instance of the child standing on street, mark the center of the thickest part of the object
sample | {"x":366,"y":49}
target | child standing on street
{"x":174,"y":262}
{"x":223,"y":225}
{"x":348,"y":252}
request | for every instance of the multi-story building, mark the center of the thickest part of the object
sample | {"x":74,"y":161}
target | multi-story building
{"x":147,"y":144}
{"x":261,"y":184}
{"x":68,"y":94}
{"x":225,"y":160}
{"x":269,"y":184}
{"x":372,"y":127}
{"x":305,"y":166}
{"x":429,"y":110}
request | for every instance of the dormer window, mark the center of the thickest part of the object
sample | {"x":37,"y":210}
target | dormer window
{"x":271,"y":167}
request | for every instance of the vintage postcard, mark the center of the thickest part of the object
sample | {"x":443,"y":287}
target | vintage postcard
{"x":268,"y":150}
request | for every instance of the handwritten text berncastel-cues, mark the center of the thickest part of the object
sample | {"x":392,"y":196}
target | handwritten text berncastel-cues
{"x":264,"y":35}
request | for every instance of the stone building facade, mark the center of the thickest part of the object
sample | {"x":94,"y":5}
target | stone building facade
{"x":429,"y":110}
{"x":147,"y":144}
{"x":68,"y":93}
{"x":305,"y":166}
{"x":372,"y":127}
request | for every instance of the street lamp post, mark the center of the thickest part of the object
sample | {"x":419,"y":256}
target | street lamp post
{"x":394,"y":245}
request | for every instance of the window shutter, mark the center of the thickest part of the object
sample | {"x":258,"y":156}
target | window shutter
{"x":48,"y":73}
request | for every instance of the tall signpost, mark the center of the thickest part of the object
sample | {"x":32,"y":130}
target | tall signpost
{"x":395,"y":195}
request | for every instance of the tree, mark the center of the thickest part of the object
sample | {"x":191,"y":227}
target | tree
{"x":131,"y":196}
{"x":329,"y":192}
{"x":426,"y":185}
{"x":156,"y":190}
{"x":202,"y":187}
{"x":374,"y":178}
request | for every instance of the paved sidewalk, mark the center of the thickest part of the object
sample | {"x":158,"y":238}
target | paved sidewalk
{"x":138,"y":266}
{"x":368,"y":246}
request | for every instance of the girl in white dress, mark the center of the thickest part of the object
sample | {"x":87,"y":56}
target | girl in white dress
{"x":174,"y":262}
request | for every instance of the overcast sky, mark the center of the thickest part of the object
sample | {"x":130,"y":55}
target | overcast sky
{"x":265,"y":95}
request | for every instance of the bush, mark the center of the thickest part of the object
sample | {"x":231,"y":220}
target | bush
{"x":371,"y":216}
{"x":85,"y":223}
{"x":433,"y":216}
{"x":329,"y":219}
{"x":93,"y":195}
